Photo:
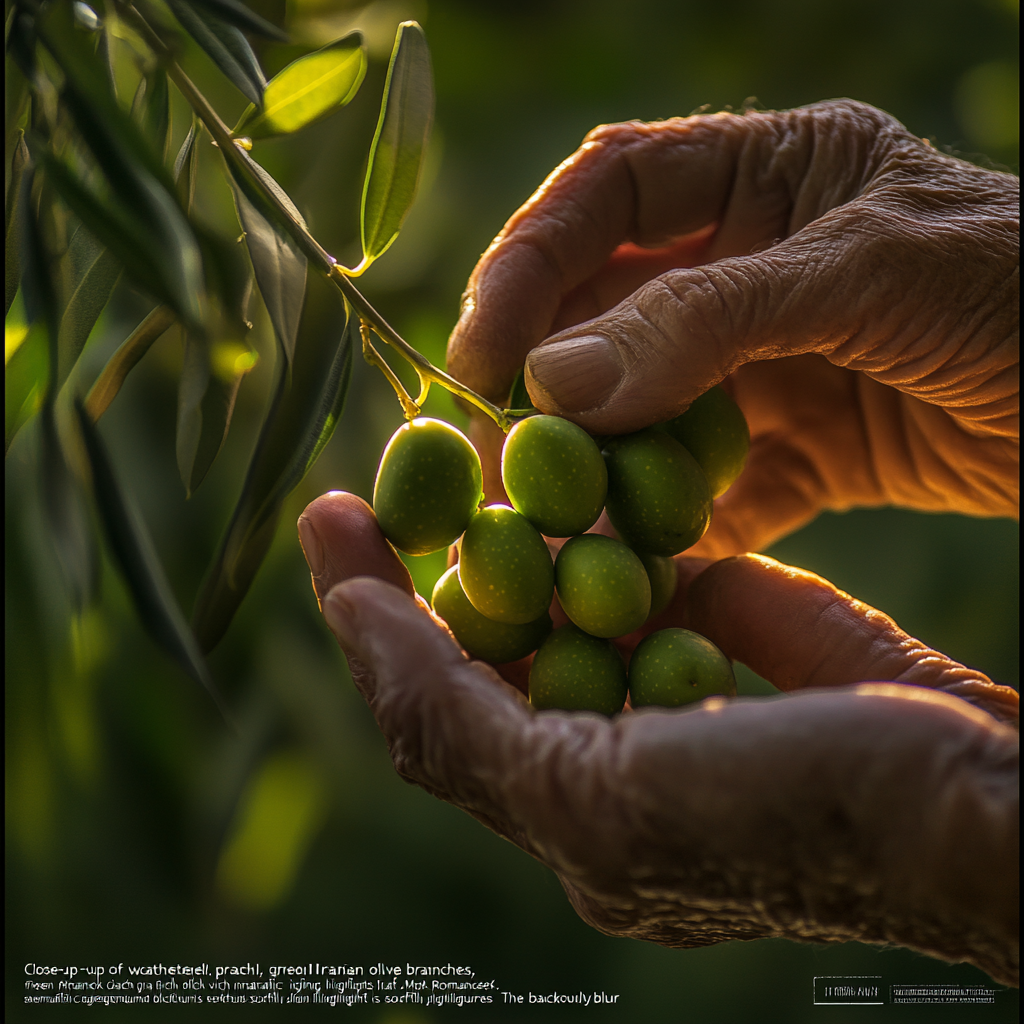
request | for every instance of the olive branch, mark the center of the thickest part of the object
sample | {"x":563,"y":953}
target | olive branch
{"x":91,"y":200}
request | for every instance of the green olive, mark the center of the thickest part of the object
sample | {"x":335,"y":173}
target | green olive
{"x":505,"y":566}
{"x":658,"y":498}
{"x":575,"y":671}
{"x":664,"y":577}
{"x":675,"y":666}
{"x":554,"y":475}
{"x":602,"y":585}
{"x":428,"y":486}
{"x":482,"y":637}
{"x":714,"y":431}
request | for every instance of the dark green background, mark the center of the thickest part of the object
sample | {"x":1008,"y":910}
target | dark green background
{"x":123,"y":791}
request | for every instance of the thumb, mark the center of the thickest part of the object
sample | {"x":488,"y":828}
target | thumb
{"x":645,"y":360}
{"x":452,"y":725}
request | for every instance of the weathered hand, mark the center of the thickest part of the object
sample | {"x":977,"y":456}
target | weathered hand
{"x":856,"y":290}
{"x":861,"y":809}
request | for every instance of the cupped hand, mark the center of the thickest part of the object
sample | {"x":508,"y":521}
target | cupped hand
{"x":855,"y":807}
{"x":856,"y":290}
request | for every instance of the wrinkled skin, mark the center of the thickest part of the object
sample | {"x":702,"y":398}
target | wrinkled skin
{"x":856,"y":290}
{"x":873,"y":350}
{"x":878,"y":812}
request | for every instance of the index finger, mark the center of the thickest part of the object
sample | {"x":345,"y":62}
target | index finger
{"x":617,"y":187}
{"x":760,"y":176}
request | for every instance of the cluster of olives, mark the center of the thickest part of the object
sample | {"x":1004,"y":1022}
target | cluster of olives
{"x":657,"y":486}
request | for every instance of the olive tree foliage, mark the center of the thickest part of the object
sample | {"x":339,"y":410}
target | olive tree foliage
{"x":94,"y":195}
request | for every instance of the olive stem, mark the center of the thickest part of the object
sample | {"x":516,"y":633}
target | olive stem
{"x":424,"y":368}
{"x":234,"y":152}
{"x":374,"y":358}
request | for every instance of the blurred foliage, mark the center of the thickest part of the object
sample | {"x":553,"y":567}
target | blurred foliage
{"x":136,"y":822}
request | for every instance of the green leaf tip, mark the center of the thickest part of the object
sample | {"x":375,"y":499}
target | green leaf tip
{"x":224,"y":45}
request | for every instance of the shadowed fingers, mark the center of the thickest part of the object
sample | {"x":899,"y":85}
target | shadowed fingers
{"x":797,"y":630}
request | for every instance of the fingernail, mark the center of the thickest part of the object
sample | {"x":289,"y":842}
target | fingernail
{"x":578,"y":373}
{"x":311,"y":546}
{"x":340,"y":616}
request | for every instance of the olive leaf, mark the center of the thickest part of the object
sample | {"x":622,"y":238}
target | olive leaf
{"x":208,"y":387}
{"x":215,"y":361}
{"x":38,"y":288}
{"x":68,"y":526}
{"x":142,"y":210}
{"x":90,"y":271}
{"x":16,"y":99}
{"x":131,"y":242}
{"x":308,"y":89}
{"x":304,"y":412}
{"x":12,"y":266}
{"x":400,"y":142}
{"x":21,"y":42}
{"x":235,"y":12}
{"x":133,"y":551}
{"x":186,"y":164}
{"x":105,"y":53}
{"x":124,"y":360}
{"x":278,"y":263}
{"x":25,"y":376}
{"x":224,"y":44}
{"x":115,"y":140}
{"x":156,"y":110}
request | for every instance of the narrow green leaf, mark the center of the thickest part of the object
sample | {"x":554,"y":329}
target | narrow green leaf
{"x":208,"y":387}
{"x":215,"y":361}
{"x":133,"y":551}
{"x":68,"y":527}
{"x":278,"y":263}
{"x":16,"y":98}
{"x":136,"y":245}
{"x":228,"y":280}
{"x":25,"y":376}
{"x":151,"y":109}
{"x":114,"y":139}
{"x":123,"y":361}
{"x":225,"y":46}
{"x":141,"y":188}
{"x":106,"y":56}
{"x":304,"y":412}
{"x":186,"y":164}
{"x":21,"y":42}
{"x":156,"y":121}
{"x":308,"y":89}
{"x":157,"y":221}
{"x":399,"y":145}
{"x":37,"y":285}
{"x":12,"y":265}
{"x":238,"y":14}
{"x":90,"y":270}
{"x":192,"y":385}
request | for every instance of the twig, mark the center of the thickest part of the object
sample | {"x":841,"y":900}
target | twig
{"x":427,"y":372}
{"x":374,"y":358}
